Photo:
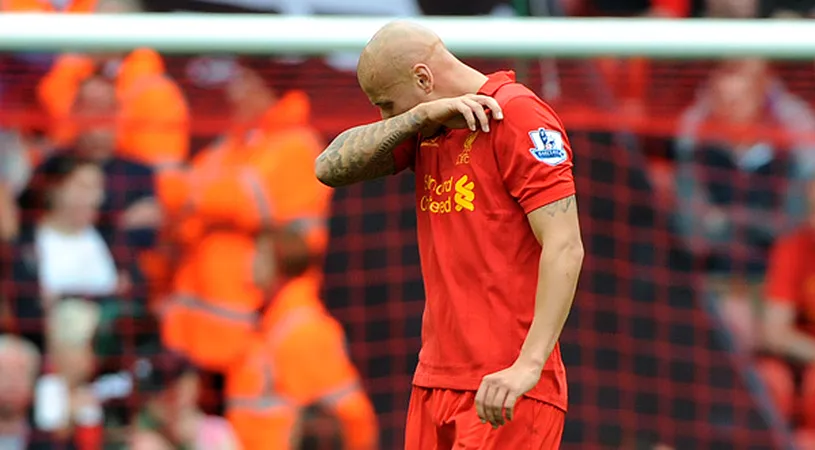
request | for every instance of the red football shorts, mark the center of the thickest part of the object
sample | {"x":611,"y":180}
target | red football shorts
{"x":442,"y":419}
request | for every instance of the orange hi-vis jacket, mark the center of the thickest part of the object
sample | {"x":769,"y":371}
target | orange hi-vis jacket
{"x":153,"y":122}
{"x":250,"y":181}
{"x":45,"y":6}
{"x":215,"y":310}
{"x":253,"y":178}
{"x":298,"y":359}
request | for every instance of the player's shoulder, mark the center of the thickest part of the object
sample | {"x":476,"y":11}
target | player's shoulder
{"x":515,"y":91}
{"x":517,"y":98}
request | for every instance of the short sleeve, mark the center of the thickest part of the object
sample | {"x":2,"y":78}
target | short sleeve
{"x":782,"y":271}
{"x":533,"y":154}
{"x":404,"y":155}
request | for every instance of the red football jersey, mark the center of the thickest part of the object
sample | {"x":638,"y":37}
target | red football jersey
{"x":791,"y":275}
{"x":478,"y":252}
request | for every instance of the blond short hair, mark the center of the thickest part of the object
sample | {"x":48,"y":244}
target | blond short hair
{"x":73,"y":322}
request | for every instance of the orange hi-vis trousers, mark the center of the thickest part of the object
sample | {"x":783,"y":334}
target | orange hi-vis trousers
{"x":298,"y":360}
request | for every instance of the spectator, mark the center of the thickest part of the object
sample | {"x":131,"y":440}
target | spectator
{"x":153,"y":127}
{"x":130,"y":215}
{"x":740,"y":186}
{"x":26,"y":66}
{"x":244,"y":262}
{"x":66,"y":406}
{"x":70,"y":329}
{"x":63,"y":254}
{"x":14,"y":174}
{"x":15,"y":171}
{"x":305,"y":346}
{"x":19,"y":367}
{"x":231,"y":186}
{"x":170,"y":417}
{"x":789,"y":323}
{"x":153,"y":117}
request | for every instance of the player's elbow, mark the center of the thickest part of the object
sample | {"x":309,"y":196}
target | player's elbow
{"x":575,"y":252}
{"x":567,"y":251}
{"x":325,"y":174}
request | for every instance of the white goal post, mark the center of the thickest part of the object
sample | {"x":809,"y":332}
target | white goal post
{"x":489,"y":37}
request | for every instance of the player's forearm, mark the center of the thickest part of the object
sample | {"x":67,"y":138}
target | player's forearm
{"x":557,"y":281}
{"x":365,"y":152}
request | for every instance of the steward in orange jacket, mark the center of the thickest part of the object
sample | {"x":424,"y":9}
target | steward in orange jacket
{"x":287,"y":352}
{"x":260,"y":167}
{"x":258,"y":177}
{"x":253,"y":175}
{"x":298,"y":359}
{"x":154,"y":117}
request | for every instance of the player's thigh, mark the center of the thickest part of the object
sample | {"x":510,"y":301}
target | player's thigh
{"x":425,"y":411}
{"x":535,"y":426}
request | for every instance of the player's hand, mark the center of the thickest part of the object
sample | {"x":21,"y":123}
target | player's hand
{"x":468,"y":111}
{"x":496,"y":397}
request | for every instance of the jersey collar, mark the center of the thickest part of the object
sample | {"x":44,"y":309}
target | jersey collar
{"x":496,"y":81}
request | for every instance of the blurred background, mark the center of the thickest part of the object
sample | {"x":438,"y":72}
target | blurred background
{"x":173,"y":276}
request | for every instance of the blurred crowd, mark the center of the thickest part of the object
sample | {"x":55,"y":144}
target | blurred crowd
{"x":135,"y":271}
{"x":160,"y":295}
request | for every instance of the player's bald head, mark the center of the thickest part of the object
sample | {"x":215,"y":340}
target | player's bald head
{"x":394,"y":50}
{"x":400,"y":56}
{"x":401,"y":32}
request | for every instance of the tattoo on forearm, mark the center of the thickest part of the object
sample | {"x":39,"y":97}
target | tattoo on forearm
{"x":364,"y":152}
{"x":560,"y":206}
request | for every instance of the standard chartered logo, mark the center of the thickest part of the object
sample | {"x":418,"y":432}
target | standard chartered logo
{"x":445,"y":196}
{"x":464,"y":194}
